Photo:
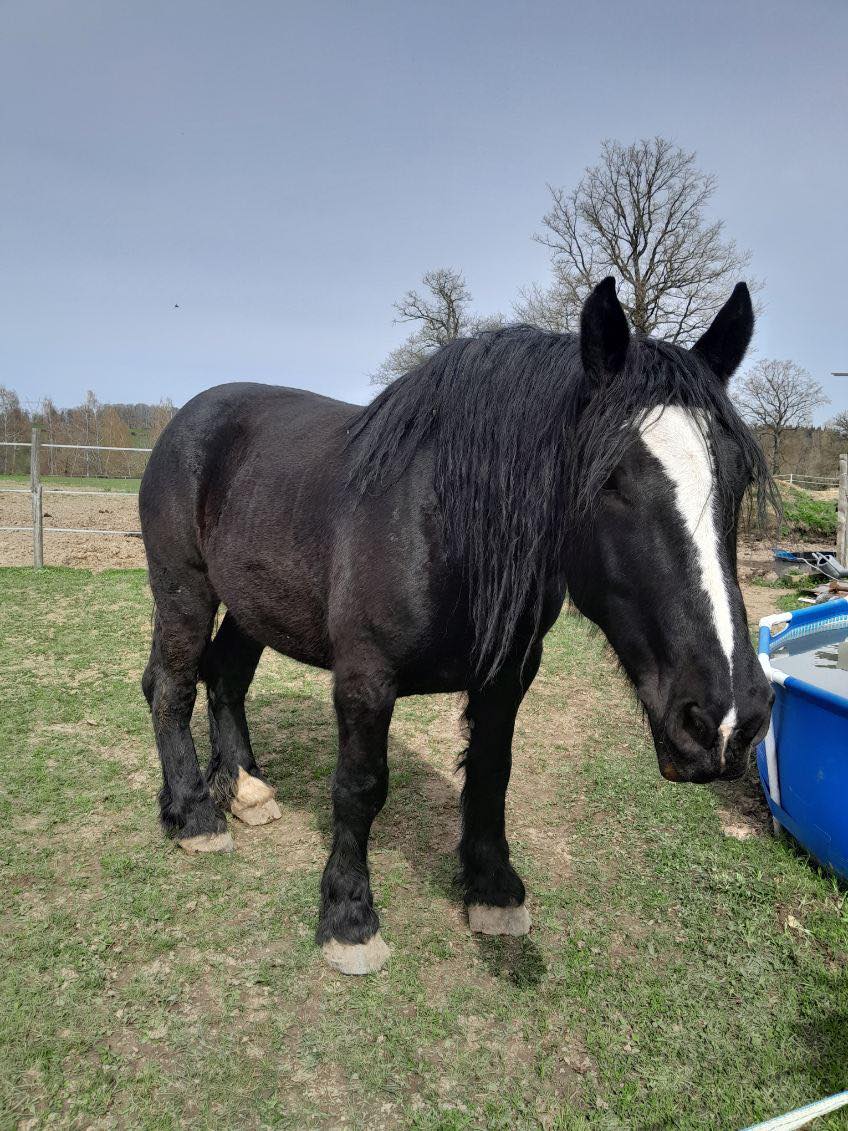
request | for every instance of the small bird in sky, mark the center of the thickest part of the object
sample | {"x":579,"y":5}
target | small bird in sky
{"x":176,"y":306}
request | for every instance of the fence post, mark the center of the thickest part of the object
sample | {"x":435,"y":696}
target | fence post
{"x":34,"y":460}
{"x":842,"y":513}
{"x":37,"y":500}
{"x":790,"y":478}
{"x":38,"y":528}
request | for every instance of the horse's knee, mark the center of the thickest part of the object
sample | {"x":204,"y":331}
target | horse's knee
{"x":171,"y":697}
{"x":223,"y":692}
{"x":363,"y":698}
{"x":360,"y":791}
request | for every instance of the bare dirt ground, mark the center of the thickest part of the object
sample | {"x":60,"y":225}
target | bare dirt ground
{"x":107,"y":511}
{"x":755,"y":560}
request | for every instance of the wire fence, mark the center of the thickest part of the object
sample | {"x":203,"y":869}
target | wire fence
{"x":809,"y":482}
{"x":37,"y":491}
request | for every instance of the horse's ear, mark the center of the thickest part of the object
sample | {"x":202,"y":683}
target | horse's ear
{"x":604,"y":333}
{"x":725,"y":343}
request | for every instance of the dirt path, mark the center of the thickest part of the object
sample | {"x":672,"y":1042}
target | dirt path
{"x":106,"y":511}
{"x":756,"y":560}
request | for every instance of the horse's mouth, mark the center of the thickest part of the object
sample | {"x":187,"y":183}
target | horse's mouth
{"x":712,"y":767}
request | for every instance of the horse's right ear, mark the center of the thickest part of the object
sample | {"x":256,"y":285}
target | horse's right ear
{"x":604,"y":333}
{"x":723,"y":346}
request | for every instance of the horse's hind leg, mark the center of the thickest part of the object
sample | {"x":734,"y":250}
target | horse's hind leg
{"x":182,"y":625}
{"x":348,"y":927}
{"x":233,"y":775}
{"x":494,"y":893}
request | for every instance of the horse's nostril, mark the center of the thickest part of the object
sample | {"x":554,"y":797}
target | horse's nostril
{"x":698,"y":725}
{"x":753,"y":728}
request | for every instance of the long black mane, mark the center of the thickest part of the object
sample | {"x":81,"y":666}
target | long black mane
{"x":523,"y":444}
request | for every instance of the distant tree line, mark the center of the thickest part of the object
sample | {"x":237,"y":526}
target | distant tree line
{"x":89,"y":423}
{"x":808,"y":450}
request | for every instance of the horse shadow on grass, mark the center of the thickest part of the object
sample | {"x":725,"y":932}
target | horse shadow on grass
{"x":296,"y":744}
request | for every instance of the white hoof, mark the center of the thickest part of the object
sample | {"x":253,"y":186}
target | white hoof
{"x":260,"y":814}
{"x":356,"y":958}
{"x":253,"y":801}
{"x":207,"y":842}
{"x":486,"y":920}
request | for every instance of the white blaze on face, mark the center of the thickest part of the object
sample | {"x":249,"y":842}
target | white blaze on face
{"x":673,"y":436}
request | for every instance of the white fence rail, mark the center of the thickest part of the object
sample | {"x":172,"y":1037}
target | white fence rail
{"x":37,"y":491}
{"x":76,"y":447}
{"x":822,"y":481}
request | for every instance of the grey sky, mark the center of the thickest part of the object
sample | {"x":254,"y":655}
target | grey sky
{"x":284,"y":171}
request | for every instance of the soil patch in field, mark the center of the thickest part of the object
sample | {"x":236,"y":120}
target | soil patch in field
{"x":106,"y":511}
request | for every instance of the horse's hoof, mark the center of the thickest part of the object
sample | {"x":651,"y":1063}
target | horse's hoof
{"x":356,"y":958}
{"x":253,"y":801}
{"x":207,"y":842}
{"x":486,"y":920}
{"x":259,"y":814}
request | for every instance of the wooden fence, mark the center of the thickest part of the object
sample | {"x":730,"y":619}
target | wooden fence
{"x":37,"y":491}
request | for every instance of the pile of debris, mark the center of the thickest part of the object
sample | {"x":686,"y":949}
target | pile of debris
{"x":818,"y":563}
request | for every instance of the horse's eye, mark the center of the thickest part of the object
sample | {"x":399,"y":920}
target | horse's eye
{"x":613,"y":483}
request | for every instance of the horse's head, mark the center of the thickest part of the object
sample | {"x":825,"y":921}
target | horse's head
{"x":656,"y":564}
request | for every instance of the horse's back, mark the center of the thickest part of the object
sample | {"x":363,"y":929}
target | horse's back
{"x":248,"y":492}
{"x":241,"y":485}
{"x":227,"y":434}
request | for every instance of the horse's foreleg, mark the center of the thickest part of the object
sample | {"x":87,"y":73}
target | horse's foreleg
{"x":180,"y":635}
{"x":348,"y":927}
{"x":233,"y":775}
{"x":493,"y":890}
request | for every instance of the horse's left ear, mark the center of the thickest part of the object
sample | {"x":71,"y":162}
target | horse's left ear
{"x":604,"y":333}
{"x":724,"y":344}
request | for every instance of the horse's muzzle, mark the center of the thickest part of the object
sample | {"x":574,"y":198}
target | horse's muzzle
{"x":693,"y":747}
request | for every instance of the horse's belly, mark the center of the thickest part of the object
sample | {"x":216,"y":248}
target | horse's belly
{"x":283,"y":611}
{"x":285,"y":631}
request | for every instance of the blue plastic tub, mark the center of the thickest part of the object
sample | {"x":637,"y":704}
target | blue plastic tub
{"x":803,"y":761}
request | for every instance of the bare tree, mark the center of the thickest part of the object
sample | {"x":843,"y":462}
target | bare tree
{"x":441,"y":312}
{"x":776,"y":395}
{"x":640,"y":215}
{"x":839,"y":424}
{"x":162,"y":414}
{"x":14,"y":428}
{"x":51,"y":422}
{"x":89,"y":419}
{"x":114,"y":433}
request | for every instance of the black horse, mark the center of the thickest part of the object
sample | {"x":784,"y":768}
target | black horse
{"x":426,"y":543}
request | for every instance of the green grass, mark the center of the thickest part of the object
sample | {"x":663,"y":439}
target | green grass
{"x":790,"y":586}
{"x":675,"y":978}
{"x":806,"y":515}
{"x":81,"y":482}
